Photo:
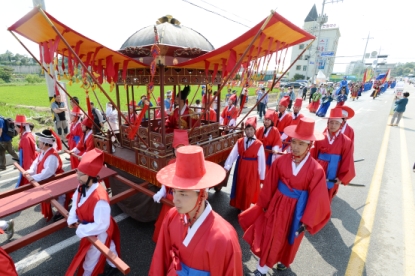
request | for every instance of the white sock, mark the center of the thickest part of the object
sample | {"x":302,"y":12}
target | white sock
{"x":3,"y":224}
{"x":263,"y":269}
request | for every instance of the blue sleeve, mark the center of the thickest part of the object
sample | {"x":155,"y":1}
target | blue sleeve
{"x":1,"y":123}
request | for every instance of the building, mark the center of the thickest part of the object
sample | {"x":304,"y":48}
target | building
{"x":355,"y":68}
{"x":328,"y":41}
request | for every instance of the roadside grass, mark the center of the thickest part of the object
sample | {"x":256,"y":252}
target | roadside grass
{"x":37,"y":95}
{"x":41,"y":119}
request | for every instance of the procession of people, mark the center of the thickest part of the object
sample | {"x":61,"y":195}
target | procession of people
{"x":285,"y":176}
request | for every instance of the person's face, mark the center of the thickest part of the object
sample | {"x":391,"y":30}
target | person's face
{"x":230,"y":102}
{"x":249,"y":132}
{"x":296,"y":109}
{"x":176,"y":100}
{"x":41,"y":145}
{"x":281,"y":108}
{"x":82,"y":178}
{"x":184,"y":200}
{"x":131,"y":107}
{"x":343,"y":91}
{"x":84,"y":129}
{"x":298,"y":147}
{"x":334,"y":125}
{"x":17,"y":127}
{"x":58,"y":99}
{"x":267,"y":122}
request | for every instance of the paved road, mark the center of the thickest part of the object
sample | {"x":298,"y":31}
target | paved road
{"x":369,"y":232}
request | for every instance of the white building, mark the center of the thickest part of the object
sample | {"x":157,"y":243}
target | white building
{"x":329,"y":39}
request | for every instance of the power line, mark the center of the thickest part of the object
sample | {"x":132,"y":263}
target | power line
{"x":216,"y":13}
{"x":225,"y":11}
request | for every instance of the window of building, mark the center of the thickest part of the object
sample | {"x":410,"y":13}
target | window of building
{"x":304,"y":67}
{"x":298,"y":67}
{"x":301,"y":46}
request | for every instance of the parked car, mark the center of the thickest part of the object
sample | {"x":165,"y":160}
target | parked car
{"x":293,"y":84}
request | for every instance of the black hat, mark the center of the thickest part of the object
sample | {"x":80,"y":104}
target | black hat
{"x":46,"y":136}
{"x":184,"y":93}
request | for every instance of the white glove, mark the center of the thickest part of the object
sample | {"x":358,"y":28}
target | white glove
{"x":160,"y":194}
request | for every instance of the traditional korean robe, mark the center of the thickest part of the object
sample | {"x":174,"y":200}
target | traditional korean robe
{"x":348,"y":131}
{"x":249,"y":172}
{"x":296,"y":118}
{"x":46,"y":165}
{"x":283,"y":121}
{"x":74,"y":136}
{"x":210,"y":246}
{"x":7,"y":267}
{"x":336,"y":158}
{"x":288,"y":190}
{"x":94,"y":214}
{"x":86,"y":143}
{"x":27,"y":154}
{"x":187,"y":122}
{"x":228,"y":116}
{"x":211,"y":116}
{"x":271,"y":140}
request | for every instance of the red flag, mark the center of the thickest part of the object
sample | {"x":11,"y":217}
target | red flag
{"x":88,"y":105}
{"x":134,"y":128}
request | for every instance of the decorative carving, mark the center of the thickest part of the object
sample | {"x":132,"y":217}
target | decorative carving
{"x":136,"y":51}
{"x":187,"y":52}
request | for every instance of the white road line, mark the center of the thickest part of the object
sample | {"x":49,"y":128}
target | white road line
{"x":48,"y":252}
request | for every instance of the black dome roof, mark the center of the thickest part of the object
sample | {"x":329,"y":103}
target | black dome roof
{"x":169,"y":34}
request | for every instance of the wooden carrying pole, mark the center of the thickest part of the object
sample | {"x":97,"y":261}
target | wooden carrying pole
{"x":123,"y":267}
{"x":86,"y":68}
{"x":237,"y":65}
{"x":275,"y":82}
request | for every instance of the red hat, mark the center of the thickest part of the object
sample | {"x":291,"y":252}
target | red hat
{"x":285,"y":101}
{"x":335,"y":113}
{"x":87,"y":122}
{"x":158,"y":99}
{"x":304,"y":130}
{"x":92,"y":162}
{"x":180,"y":137}
{"x":270,"y":114}
{"x":233,"y":98}
{"x":298,"y":102}
{"x":76,"y":110}
{"x":191,"y":171}
{"x":348,"y":113}
{"x":251,"y":121}
{"x":20,"y":119}
{"x":132,"y":103}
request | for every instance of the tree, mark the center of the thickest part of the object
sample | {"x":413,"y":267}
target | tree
{"x":6,"y":73}
{"x":298,"y":77}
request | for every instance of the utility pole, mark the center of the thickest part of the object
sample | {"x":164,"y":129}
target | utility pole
{"x":321,"y":20}
{"x":367,"y":41}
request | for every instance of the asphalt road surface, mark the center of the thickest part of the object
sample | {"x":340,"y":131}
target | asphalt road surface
{"x":370,"y":232}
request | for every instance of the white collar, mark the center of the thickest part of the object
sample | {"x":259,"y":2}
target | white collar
{"x":229,"y":108}
{"x":283,"y":114}
{"x":331,"y":140}
{"x":297,"y":168}
{"x":87,"y":135}
{"x":344,"y":127}
{"x":250,"y":142}
{"x":44,"y":153}
{"x":82,"y":200}
{"x":192,"y":230}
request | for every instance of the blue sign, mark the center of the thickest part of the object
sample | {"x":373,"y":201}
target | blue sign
{"x":311,"y":62}
{"x":327,"y":54}
{"x":321,"y":63}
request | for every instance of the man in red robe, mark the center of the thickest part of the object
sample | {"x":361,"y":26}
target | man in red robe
{"x":211,"y":113}
{"x":296,"y":111}
{"x":7,"y":267}
{"x":47,"y":164}
{"x":75,"y":133}
{"x":347,"y":130}
{"x":229,"y":113}
{"x":270,"y":137}
{"x":335,"y":153}
{"x":293,"y":199}
{"x":86,"y":143}
{"x":27,"y":147}
{"x":180,"y":139}
{"x":91,"y":216}
{"x":132,"y":114}
{"x":249,"y":171}
{"x":182,"y":116}
{"x":158,"y":111}
{"x":194,"y":239}
{"x":283,"y":119}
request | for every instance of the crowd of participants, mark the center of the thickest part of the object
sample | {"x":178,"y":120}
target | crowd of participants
{"x":285,"y":176}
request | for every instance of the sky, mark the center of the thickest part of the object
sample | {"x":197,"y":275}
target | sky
{"x":112,"y":22}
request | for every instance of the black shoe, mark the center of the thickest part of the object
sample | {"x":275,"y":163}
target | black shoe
{"x":110,"y":271}
{"x":257,"y":273}
{"x":57,"y":217}
{"x":281,"y":267}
